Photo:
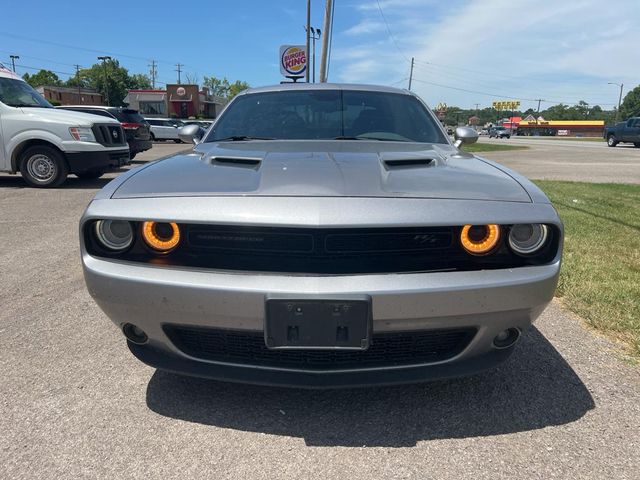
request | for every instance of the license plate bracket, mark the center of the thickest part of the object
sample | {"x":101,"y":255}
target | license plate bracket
{"x":318,"y":324}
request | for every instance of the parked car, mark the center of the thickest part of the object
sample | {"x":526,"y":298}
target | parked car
{"x":324,"y":235}
{"x":45,"y":144}
{"x":135,"y":127}
{"x":165,"y":128}
{"x":624,"y":132}
{"x":499,"y":132}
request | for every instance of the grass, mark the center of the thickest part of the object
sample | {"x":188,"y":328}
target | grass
{"x":491,"y":147}
{"x":600,"y":278}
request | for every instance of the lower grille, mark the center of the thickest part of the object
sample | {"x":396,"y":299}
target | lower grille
{"x":387,"y":349}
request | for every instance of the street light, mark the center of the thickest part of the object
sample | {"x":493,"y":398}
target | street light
{"x":314,"y":32}
{"x":13,"y":61}
{"x":106,"y":80}
{"x":621,"y":85}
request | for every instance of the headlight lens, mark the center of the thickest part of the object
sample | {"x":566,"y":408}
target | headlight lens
{"x":528,"y":238}
{"x":82,"y":134}
{"x":480,"y":239}
{"x":116,"y":235}
{"x":162,"y":237}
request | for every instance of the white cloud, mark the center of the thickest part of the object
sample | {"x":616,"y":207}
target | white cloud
{"x":558,"y":51}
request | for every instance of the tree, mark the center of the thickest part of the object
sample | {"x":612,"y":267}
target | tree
{"x":222,"y":88}
{"x":631,"y":104}
{"x":41,"y":78}
{"x":118,"y":78}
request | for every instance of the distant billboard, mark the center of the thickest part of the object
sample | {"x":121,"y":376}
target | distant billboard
{"x":506,"y":105}
{"x":293,"y":60}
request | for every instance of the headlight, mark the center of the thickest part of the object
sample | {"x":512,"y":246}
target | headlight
{"x":479,"y":239}
{"x":162,"y":237}
{"x":527,"y":238}
{"x":116,"y":235}
{"x":82,"y":134}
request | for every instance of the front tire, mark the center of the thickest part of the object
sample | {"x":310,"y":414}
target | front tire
{"x":611,"y":141}
{"x":43,"y":167}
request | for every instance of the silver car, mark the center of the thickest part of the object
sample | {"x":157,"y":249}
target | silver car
{"x":322,"y":235}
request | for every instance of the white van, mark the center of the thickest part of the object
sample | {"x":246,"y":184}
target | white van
{"x":45,"y":144}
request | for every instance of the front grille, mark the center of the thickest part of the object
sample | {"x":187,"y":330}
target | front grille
{"x":387,"y":349}
{"x":109,"y":135}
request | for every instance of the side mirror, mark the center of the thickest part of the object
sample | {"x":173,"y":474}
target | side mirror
{"x":465,"y":136}
{"x":191,"y":134}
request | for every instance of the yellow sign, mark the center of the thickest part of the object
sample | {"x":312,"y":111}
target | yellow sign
{"x":506,"y":105}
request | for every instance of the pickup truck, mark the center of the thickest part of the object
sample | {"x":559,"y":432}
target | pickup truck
{"x":628,"y":131}
{"x":45,"y":144}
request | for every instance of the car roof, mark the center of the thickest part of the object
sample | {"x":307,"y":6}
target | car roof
{"x":100,"y":107}
{"x":325,"y":86}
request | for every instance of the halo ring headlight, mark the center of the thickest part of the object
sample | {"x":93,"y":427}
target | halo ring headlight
{"x":480,"y":239}
{"x":114,"y":235}
{"x":528,"y":238}
{"x":161,"y":236}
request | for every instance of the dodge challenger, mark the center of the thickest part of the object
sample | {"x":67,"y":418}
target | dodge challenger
{"x":322,"y":235}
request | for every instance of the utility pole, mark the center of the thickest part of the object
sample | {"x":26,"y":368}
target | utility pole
{"x":79,"y":87}
{"x":538,"y":114}
{"x":325,"y":40}
{"x":154,"y":73}
{"x":621,"y":85}
{"x":314,"y":32}
{"x":179,"y":70}
{"x":13,"y":62}
{"x":411,"y":74}
{"x":308,"y":28}
{"x":106,"y":78}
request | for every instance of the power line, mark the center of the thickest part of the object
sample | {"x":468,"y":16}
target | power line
{"x":501,"y":95}
{"x":90,"y":50}
{"x":389,"y":31}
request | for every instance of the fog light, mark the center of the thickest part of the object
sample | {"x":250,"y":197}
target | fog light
{"x":134,"y":334}
{"x":506,"y":338}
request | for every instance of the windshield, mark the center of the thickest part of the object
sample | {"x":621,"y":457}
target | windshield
{"x":327,"y":114}
{"x":17,"y":93}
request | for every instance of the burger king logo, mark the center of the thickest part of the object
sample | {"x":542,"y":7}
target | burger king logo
{"x":293,"y":60}
{"x":181,"y":91}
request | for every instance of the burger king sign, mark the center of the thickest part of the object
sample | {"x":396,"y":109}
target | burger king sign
{"x":293,"y":60}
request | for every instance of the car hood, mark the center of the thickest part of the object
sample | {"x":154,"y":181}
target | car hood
{"x":67,"y":117}
{"x":324,"y":169}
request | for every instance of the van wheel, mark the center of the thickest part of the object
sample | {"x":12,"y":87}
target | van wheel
{"x":43,"y":166}
{"x":90,"y":174}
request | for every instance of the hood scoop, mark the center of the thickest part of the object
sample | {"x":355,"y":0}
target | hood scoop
{"x":250,"y":162}
{"x":407,"y":162}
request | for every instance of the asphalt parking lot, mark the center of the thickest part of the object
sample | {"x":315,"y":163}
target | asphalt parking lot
{"x":74,"y":403}
{"x":580,"y":161}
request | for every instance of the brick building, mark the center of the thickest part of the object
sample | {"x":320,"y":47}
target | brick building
{"x":177,"y":101}
{"x":70,"y":96}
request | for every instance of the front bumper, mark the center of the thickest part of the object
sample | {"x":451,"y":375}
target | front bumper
{"x":97,"y":160}
{"x":153,"y":297}
{"x":137,"y":146}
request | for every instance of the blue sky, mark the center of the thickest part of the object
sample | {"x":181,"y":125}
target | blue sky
{"x":467,"y":51}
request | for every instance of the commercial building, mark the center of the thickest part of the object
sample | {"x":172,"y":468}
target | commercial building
{"x":177,"y":101}
{"x":70,"y":96}
{"x":567,"y":128}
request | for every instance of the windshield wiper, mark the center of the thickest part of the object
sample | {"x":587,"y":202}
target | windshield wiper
{"x":242,"y":138}
{"x":20,"y":105}
{"x":363,"y":137}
